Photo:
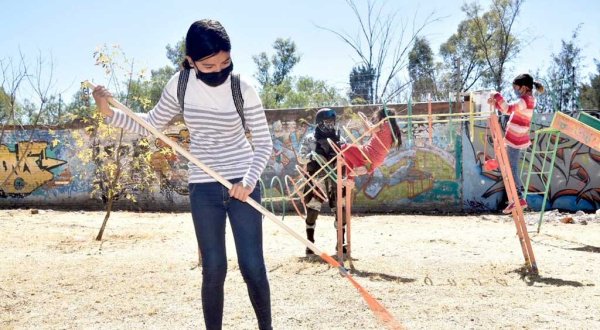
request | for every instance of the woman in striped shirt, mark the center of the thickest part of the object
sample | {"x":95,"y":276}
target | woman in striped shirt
{"x":218,"y":140}
{"x":519,"y":124}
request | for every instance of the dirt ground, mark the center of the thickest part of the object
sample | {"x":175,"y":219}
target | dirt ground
{"x":430,"y":272}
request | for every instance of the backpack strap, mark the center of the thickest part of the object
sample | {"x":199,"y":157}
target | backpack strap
{"x":184,"y":76}
{"x":238,"y":99}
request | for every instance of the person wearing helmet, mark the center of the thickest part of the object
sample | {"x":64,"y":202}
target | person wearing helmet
{"x":315,"y":145}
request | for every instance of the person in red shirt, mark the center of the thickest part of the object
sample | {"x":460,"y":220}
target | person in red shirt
{"x":384,"y":137}
{"x":519,"y":124}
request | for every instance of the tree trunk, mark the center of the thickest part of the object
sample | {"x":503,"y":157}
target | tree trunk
{"x":106,"y":216}
{"x":111,"y":193}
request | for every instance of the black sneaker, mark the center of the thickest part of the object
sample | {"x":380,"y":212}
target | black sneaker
{"x":309,"y":252}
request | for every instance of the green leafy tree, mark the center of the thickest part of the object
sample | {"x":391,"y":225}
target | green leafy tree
{"x":590,"y":93}
{"x":145,"y":93}
{"x":462,"y":63}
{"x":263,"y":74}
{"x":563,"y":80}
{"x":79,"y":107}
{"x":284,"y":60}
{"x":56,"y":113}
{"x":273,"y":96}
{"x":274,"y":73}
{"x":493,"y":34}
{"x":301,"y":92}
{"x":176,"y":53}
{"x":312,"y":93}
{"x":477,"y":54}
{"x":421,"y":70}
{"x":361,"y":84}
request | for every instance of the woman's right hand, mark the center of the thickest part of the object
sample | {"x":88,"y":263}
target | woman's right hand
{"x":101,"y":96}
{"x":492,"y":99}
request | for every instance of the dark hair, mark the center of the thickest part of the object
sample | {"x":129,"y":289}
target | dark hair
{"x":384,"y":113}
{"x":525,"y":79}
{"x":205,"y":38}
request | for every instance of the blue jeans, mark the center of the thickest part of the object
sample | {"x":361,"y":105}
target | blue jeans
{"x":210,"y":204}
{"x":514,"y":156}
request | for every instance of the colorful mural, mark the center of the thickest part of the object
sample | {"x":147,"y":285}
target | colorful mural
{"x":415,"y":176}
{"x":444,"y":174}
{"x":26,"y":167}
{"x":574,"y":183}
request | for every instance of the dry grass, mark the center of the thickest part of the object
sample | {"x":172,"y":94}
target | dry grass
{"x":430,"y":272}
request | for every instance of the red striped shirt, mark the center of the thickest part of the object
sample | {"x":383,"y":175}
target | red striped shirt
{"x":519,"y":123}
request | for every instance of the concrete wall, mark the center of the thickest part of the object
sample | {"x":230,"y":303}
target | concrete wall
{"x":445,"y":175}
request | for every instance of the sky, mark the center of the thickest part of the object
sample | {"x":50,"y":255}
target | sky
{"x":68,"y":32}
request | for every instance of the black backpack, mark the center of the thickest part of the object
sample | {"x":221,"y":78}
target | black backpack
{"x":236,"y":92}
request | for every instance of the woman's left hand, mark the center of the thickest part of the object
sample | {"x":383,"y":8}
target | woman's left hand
{"x":238,"y":191}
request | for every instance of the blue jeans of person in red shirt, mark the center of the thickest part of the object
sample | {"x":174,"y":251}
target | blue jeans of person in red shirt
{"x":211,"y":205}
{"x":514,"y":157}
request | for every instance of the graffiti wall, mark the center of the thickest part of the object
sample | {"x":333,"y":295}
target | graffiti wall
{"x":40,"y":171}
{"x":575,"y":181}
{"x":439,"y":174}
{"x":50,"y":171}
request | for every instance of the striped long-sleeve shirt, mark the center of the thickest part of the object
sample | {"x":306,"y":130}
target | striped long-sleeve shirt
{"x":217,"y":136}
{"x":519,"y":123}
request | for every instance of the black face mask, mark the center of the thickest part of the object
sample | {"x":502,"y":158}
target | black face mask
{"x":214,"y":79}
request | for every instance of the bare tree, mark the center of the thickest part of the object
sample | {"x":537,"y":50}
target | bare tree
{"x":12,"y":77}
{"x":382,"y":45}
{"x":40,"y":81}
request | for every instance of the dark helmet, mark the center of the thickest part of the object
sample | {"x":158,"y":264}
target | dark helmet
{"x":325,"y":120}
{"x":323,"y":114}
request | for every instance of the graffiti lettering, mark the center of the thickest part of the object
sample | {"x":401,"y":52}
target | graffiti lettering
{"x":25,"y":168}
